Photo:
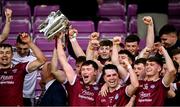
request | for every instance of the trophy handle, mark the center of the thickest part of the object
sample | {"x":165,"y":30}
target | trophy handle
{"x":54,"y":23}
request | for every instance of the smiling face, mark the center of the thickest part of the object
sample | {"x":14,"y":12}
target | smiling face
{"x":132,"y":47}
{"x":111,"y":78}
{"x":88,"y":74}
{"x":152,"y":68}
{"x":104,"y":52}
{"x":5,"y":56}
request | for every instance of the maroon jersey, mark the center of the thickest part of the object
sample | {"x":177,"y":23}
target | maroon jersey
{"x":116,"y":98}
{"x":11,"y":85}
{"x":81,"y":94}
{"x":151,"y":93}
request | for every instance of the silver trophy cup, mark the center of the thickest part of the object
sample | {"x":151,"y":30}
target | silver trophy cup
{"x":54,"y":23}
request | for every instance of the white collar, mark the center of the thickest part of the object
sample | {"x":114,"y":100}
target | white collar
{"x":49,"y":84}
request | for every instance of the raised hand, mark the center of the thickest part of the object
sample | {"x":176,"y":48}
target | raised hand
{"x":94,"y":36}
{"x":25,"y":38}
{"x":95,"y":44}
{"x":116,"y":40}
{"x":8,"y":13}
{"x":148,"y":20}
{"x":73,"y":33}
{"x":126,"y":63}
{"x":161,"y":50}
{"x":104,"y":90}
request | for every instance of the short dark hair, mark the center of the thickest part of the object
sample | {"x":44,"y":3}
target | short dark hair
{"x":106,"y":42}
{"x":80,"y":59}
{"x":90,"y":62}
{"x":155,"y":59}
{"x":132,"y":38}
{"x":109,"y":66}
{"x":166,"y":29}
{"x":129,"y":54}
{"x":6,"y":46}
{"x":140,"y":60}
{"x":175,"y":51}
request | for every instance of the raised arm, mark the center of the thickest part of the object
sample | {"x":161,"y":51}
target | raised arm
{"x":37,"y":52}
{"x":59,"y":75}
{"x":150,"y":31}
{"x":70,"y":73}
{"x":131,"y":88}
{"x":170,"y":75}
{"x":92,"y":46}
{"x":145,"y":53}
{"x":149,"y":39}
{"x":75,"y":45}
{"x":6,"y":29}
{"x":115,"y":60}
